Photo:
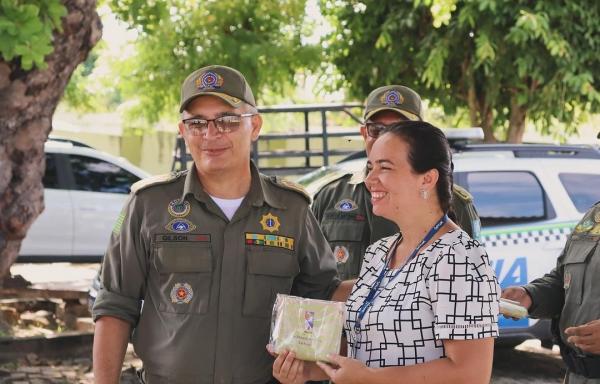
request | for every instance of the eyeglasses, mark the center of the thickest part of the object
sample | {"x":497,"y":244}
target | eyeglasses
{"x":224,"y":124}
{"x":376,"y":129}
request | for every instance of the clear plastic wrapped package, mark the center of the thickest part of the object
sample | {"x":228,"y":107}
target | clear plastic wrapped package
{"x":310,"y":328}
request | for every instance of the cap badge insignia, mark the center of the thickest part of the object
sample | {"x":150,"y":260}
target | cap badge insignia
{"x":209,"y":80}
{"x":270,"y":223}
{"x":392,"y":98}
{"x":341,"y":254}
{"x":346,"y":205}
{"x":180,"y":226}
{"x":179,"y":208}
{"x":181,"y":293}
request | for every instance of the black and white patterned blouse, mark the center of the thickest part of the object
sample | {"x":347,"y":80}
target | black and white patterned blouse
{"x":448,"y":291}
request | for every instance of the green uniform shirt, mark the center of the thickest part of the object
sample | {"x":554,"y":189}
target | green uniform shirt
{"x":208,"y":284}
{"x":343,"y":208}
{"x":571,"y":290}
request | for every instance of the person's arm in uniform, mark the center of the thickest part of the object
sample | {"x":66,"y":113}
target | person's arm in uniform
{"x":547,"y":294}
{"x":466,"y":215}
{"x":117,"y":307}
{"x":543,"y":297}
{"x":318,"y":271}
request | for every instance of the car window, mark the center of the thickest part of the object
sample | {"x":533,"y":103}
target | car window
{"x":583,"y":189}
{"x":96,"y":175}
{"x":50,"y":179}
{"x":506,"y":197}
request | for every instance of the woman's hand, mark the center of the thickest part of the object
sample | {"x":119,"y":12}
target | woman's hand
{"x":286,"y":368}
{"x":348,"y":371}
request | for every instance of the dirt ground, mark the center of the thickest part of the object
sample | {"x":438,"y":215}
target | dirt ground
{"x":527,"y":363}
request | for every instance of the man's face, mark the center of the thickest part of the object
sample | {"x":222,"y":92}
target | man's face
{"x":387,"y":117}
{"x":215,"y":152}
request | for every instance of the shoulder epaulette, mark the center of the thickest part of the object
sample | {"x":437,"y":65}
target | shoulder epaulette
{"x":156,"y":180}
{"x":291,"y":186}
{"x":462,"y":193}
{"x":335,"y":176}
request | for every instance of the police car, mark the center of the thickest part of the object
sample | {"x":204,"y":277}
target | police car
{"x":529,"y":198}
{"x":84,"y":192}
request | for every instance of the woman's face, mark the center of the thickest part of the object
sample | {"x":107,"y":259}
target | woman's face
{"x":391,"y":180}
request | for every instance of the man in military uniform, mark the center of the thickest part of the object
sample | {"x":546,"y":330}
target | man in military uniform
{"x":196,"y":258}
{"x":569,"y":295}
{"x":343,"y":206}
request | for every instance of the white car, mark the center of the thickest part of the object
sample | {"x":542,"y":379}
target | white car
{"x":529,"y":197}
{"x":84,"y":192}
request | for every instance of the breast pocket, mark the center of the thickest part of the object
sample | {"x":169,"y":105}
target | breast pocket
{"x":575,"y":269}
{"x":185,"y":274}
{"x":268,"y":272}
{"x":346,"y":240}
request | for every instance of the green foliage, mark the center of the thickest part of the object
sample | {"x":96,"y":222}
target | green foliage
{"x":76,"y":93}
{"x":262,"y":38}
{"x":541,"y":57}
{"x":26,"y":28}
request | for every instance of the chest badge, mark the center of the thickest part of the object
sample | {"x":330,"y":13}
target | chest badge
{"x":346,"y":205}
{"x":270,"y":222}
{"x":180,"y":226}
{"x":181,"y":293}
{"x":595,"y":231}
{"x":179,"y":208}
{"x":567,"y":280}
{"x":584,"y":226}
{"x":341,"y":254}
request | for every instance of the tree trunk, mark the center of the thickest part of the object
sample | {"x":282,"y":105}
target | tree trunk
{"x":487,"y":124}
{"x":481,"y":114}
{"x":516,"y":126}
{"x":27,"y":102}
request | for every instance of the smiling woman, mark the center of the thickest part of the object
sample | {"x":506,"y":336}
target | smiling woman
{"x":424,"y":308}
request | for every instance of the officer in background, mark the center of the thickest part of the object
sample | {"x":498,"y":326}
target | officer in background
{"x":206,"y":251}
{"x":570,"y":296}
{"x":343,"y":206}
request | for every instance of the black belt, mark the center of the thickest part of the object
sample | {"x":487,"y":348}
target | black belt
{"x":587,"y":366}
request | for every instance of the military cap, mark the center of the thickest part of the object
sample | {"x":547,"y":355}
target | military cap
{"x":217,"y":80}
{"x":396,"y":98}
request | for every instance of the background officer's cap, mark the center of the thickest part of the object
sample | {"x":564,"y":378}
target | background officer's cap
{"x":217,"y":80}
{"x":396,"y":98}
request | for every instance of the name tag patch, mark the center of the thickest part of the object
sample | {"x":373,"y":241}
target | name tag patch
{"x":172,"y":237}
{"x":270,"y":240}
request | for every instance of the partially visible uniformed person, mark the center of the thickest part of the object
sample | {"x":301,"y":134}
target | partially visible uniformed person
{"x":343,"y":206}
{"x":197,"y":257}
{"x":570,"y":296}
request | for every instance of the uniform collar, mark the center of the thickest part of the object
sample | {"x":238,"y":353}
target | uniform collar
{"x":359,"y":176}
{"x":260,"y":189}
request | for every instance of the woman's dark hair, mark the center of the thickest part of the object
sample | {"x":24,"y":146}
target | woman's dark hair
{"x":428,"y":149}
